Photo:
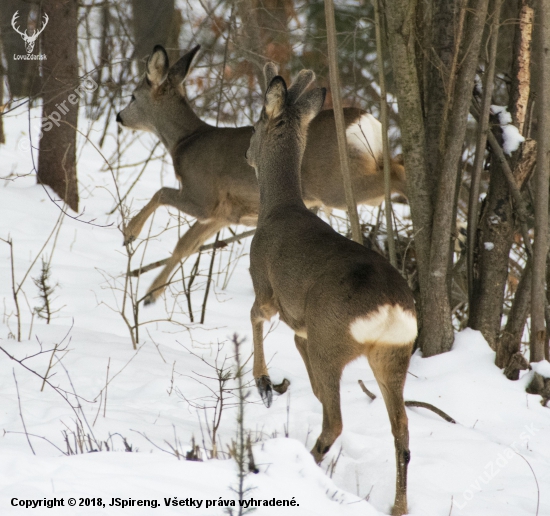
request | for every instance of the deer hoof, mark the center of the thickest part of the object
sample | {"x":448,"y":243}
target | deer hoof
{"x":128,"y":240}
{"x":319,"y":451}
{"x":149,"y":300}
{"x":282,"y":387}
{"x":265,"y":388}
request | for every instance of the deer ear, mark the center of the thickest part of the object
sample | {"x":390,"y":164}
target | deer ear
{"x":157,"y":66}
{"x":270,"y":71}
{"x":275,"y":97}
{"x":310,"y":104}
{"x":183,"y":64}
{"x":300,"y":84}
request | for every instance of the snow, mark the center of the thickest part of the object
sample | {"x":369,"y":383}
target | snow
{"x":510,"y":135}
{"x":542,"y":368}
{"x":489,"y":246}
{"x":473,"y":467}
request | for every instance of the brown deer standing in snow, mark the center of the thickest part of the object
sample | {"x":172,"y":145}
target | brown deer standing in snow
{"x":341,"y":299}
{"x":217,"y":186}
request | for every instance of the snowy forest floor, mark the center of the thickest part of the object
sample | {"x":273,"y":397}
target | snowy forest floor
{"x":492,"y":462}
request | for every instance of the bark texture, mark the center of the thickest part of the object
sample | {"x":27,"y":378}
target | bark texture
{"x":401,"y":20}
{"x":57,"y":156}
{"x":437,"y":319}
{"x":539,"y":341}
{"x":155,"y":23}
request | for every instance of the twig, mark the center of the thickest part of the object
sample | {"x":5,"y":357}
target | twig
{"x":21,"y":412}
{"x":536,"y":481}
{"x":429,"y":406}
{"x":216,"y":245}
{"x":14,"y":290}
{"x":106,"y":386}
{"x":49,"y":366}
{"x":371,"y":395}
{"x":209,"y":280}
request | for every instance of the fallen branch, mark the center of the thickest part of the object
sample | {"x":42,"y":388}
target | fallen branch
{"x":371,"y":395}
{"x":429,"y":406}
{"x":215,"y":245}
{"x":421,"y":404}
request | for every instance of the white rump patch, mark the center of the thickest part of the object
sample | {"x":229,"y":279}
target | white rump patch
{"x":365,"y":135}
{"x":390,"y":324}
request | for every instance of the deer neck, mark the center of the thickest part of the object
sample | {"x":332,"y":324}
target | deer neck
{"x":177,"y":125}
{"x":279,"y":177}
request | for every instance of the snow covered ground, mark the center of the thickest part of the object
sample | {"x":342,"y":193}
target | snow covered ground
{"x":494,"y":462}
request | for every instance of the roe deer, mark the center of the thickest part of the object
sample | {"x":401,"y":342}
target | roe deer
{"x":217,"y":186}
{"x":341,"y":299}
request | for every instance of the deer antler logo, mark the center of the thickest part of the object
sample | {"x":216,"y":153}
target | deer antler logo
{"x":29,"y":40}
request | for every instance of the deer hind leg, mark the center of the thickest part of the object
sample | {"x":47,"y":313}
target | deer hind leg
{"x":326,"y":368}
{"x":301,"y":345}
{"x":389,"y":364}
{"x":188,"y":244}
{"x":164,"y":197}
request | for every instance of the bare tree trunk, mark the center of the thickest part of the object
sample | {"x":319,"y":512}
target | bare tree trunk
{"x":402,"y":37}
{"x":510,"y":340}
{"x":57,"y":157}
{"x":539,"y":342}
{"x":385,"y":144}
{"x":437,"y":319}
{"x":493,"y":243}
{"x":264,"y":34}
{"x":340,"y":124}
{"x":447,"y":25}
{"x":497,"y":224}
{"x":2,"y":135}
{"x":481,"y":144}
{"x":155,"y":23}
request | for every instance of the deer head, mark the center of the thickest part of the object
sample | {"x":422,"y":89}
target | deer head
{"x":29,"y":40}
{"x":159,"y":103}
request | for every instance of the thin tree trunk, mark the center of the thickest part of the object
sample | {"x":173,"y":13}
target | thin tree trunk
{"x":539,"y":341}
{"x":492,"y":248}
{"x":340,"y":124}
{"x":402,"y":38}
{"x":497,"y":224}
{"x":264,"y":34}
{"x":155,"y":23}
{"x":57,"y":156}
{"x":446,"y":32}
{"x":437,"y":322}
{"x":481,"y":143}
{"x":385,"y":144}
{"x":510,"y":340}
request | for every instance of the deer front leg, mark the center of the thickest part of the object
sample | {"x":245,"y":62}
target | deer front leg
{"x":164,"y":197}
{"x":258,"y":315}
{"x":259,"y":370}
{"x":188,"y":244}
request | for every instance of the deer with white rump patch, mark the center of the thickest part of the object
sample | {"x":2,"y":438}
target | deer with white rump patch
{"x":217,"y":187}
{"x":342,"y":300}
